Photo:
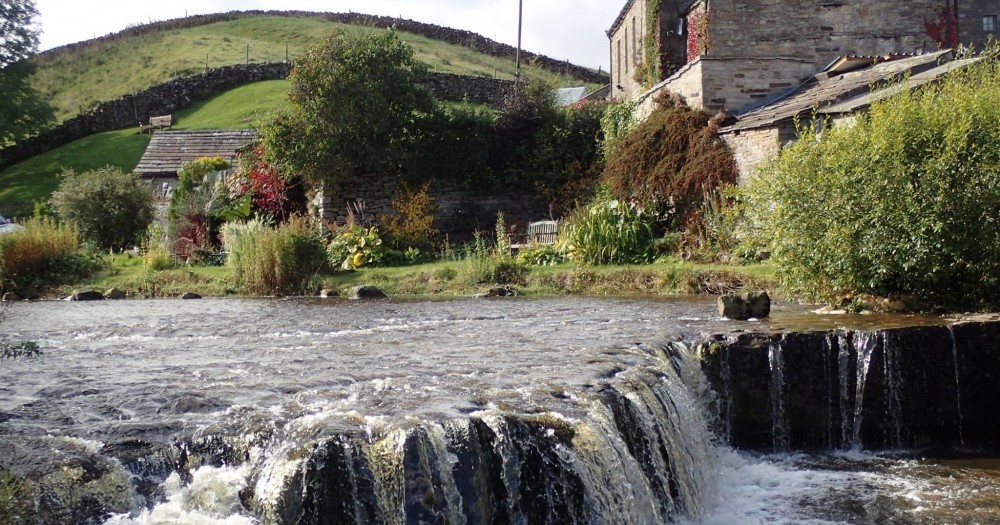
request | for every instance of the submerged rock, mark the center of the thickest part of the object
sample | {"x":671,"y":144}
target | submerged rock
{"x":190,"y":295}
{"x":366,"y":291}
{"x":10,"y":297}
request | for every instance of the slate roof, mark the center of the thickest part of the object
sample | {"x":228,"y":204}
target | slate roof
{"x":833,"y":92}
{"x":170,"y":149}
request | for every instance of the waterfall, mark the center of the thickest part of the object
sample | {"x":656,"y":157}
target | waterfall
{"x":958,"y":387}
{"x":779,"y":417}
{"x":638,"y":451}
{"x":893,"y":391}
{"x":864,"y":344}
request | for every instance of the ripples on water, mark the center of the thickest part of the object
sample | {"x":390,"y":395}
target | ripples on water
{"x":156,"y":369}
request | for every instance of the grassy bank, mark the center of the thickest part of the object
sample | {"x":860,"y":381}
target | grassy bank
{"x":448,"y":279}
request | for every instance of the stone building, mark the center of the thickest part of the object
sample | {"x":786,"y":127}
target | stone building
{"x":767,"y":62}
{"x":733,"y":55}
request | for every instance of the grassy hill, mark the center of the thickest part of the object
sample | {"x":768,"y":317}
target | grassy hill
{"x":76,"y":78}
{"x":37,"y":178}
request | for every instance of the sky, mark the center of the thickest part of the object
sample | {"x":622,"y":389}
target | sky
{"x":571,"y":30}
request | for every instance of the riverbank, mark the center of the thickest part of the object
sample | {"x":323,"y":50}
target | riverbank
{"x":446,"y":278}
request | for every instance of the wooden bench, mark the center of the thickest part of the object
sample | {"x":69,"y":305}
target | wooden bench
{"x":161,"y":122}
{"x":539,"y":232}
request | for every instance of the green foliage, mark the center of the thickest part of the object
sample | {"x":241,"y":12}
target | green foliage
{"x":540,"y":255}
{"x":109,"y":206}
{"x":23,"y":112}
{"x":675,"y":156}
{"x":155,"y":253}
{"x":652,"y":70}
{"x":198,"y":200}
{"x":354,"y":247}
{"x":609,"y":232}
{"x":42,"y":254}
{"x":355,"y":100}
{"x":618,"y":120}
{"x":275,"y":260}
{"x":905,"y":201}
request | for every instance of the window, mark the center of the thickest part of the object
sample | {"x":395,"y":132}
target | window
{"x":990,"y":23}
{"x":618,"y":62}
{"x":626,"y":51}
{"x":635,"y":41}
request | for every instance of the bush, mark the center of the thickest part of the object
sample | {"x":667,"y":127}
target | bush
{"x":42,"y":254}
{"x":610,"y":232}
{"x":540,"y":255}
{"x":672,"y":158}
{"x":904,"y":202}
{"x":412,"y":224}
{"x":354,"y":247}
{"x":110,"y":208}
{"x":274,"y":260}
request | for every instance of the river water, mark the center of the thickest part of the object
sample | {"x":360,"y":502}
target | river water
{"x":231,"y":411}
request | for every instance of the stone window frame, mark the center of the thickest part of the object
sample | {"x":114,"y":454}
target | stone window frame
{"x":990,"y":23}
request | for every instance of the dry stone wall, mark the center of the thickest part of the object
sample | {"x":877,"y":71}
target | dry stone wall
{"x":175,"y":95}
{"x":460,"y":211}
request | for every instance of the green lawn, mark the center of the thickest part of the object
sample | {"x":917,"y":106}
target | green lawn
{"x":75,"y":80}
{"x":37,"y":177}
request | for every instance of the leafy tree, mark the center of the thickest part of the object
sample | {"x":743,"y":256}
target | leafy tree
{"x":22,"y":110}
{"x":111,"y":207}
{"x":355,"y":101}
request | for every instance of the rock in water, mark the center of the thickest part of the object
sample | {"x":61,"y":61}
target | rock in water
{"x":87,"y":295}
{"x":758,"y":305}
{"x":10,"y":297}
{"x":328,"y":293}
{"x":190,"y":295}
{"x":366,"y":291}
{"x":732,"y":306}
{"x":114,"y":294}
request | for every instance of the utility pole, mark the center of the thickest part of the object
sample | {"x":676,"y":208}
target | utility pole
{"x":517,"y":63}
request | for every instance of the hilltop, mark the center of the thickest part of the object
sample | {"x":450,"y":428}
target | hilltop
{"x":76,"y":77}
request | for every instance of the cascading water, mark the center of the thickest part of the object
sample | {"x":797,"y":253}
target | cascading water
{"x":252,"y":412}
{"x":864,"y":346}
{"x":958,"y":386}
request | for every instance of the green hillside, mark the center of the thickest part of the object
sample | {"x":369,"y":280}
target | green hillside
{"x":36,"y":178}
{"x":76,"y":78}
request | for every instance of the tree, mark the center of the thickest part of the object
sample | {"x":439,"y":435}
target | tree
{"x":111,"y":208}
{"x":355,"y":103}
{"x":22,"y":110}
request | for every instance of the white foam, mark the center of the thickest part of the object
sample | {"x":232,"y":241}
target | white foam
{"x":212,"y":498}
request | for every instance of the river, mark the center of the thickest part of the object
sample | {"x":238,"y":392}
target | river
{"x":561,"y":410}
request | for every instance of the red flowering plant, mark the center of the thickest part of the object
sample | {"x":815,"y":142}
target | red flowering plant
{"x":257,"y":187}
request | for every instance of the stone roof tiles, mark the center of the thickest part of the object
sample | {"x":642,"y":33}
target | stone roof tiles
{"x":853,"y":88}
{"x":169,"y":150}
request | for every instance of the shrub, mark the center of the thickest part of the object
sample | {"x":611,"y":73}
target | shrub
{"x":540,"y":255}
{"x":904,"y":202}
{"x":354,"y":247}
{"x":110,"y":208}
{"x":610,"y":232}
{"x":412,"y":225}
{"x":44,"y":253}
{"x":675,"y":156}
{"x":275,"y":260}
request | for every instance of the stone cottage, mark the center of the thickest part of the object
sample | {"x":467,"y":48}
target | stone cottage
{"x":740,"y":56}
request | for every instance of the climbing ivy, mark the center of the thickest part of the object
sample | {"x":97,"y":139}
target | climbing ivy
{"x":651,"y":72}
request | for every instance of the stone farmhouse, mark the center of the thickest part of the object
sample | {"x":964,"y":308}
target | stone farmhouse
{"x":747,"y":57}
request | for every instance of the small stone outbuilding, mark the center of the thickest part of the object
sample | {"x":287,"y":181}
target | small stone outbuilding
{"x":169,"y":150}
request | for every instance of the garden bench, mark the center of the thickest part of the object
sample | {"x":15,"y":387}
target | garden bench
{"x":539,"y":232}
{"x":161,"y":122}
